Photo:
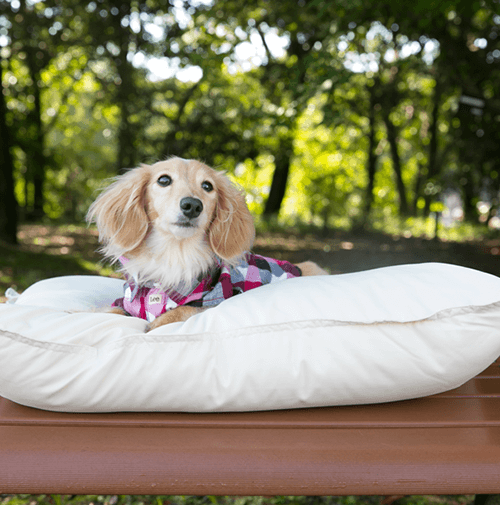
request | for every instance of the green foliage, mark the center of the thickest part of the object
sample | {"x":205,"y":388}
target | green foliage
{"x":229,"y":500}
{"x":311,"y":88}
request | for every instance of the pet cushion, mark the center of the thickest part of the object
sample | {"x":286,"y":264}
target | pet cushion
{"x":375,"y":336}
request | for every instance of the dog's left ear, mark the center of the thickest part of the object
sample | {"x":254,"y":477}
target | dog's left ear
{"x":232,"y":231}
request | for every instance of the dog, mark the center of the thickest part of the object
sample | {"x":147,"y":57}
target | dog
{"x":181,"y":231}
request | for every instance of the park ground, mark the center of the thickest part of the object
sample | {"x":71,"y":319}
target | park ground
{"x":49,"y":251}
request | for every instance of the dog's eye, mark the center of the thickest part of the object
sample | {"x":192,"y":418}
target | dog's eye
{"x":164,"y":181}
{"x":207,"y":186}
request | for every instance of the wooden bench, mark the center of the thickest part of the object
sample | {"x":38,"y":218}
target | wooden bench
{"x":443,"y":444}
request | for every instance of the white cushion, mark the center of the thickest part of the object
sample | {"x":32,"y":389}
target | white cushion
{"x":75,"y":292}
{"x":376,"y":336}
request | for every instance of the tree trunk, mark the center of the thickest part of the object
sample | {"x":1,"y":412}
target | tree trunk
{"x":173,"y":146}
{"x":283,"y":159}
{"x":126,"y":92}
{"x":432,"y":170}
{"x":417,"y":189}
{"x":469,"y":199}
{"x":8,"y":204}
{"x":371,"y":162}
{"x":280,"y":179}
{"x":38,"y":156}
{"x":35,"y":173}
{"x":126,"y":154}
{"x":396,"y":163}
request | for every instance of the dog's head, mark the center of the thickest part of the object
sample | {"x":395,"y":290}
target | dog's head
{"x":180,"y":200}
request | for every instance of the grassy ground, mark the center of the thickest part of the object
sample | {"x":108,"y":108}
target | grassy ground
{"x":228,"y":500}
{"x":49,"y":251}
{"x":343,"y":252}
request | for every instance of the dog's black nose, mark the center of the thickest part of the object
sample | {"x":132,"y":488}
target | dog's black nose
{"x":191,"y":207}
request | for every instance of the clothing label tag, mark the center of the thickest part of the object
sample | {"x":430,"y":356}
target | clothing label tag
{"x":155,"y":299}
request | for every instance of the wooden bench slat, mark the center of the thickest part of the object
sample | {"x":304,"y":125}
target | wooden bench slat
{"x":480,"y":387}
{"x":245,"y":461}
{"x":492,"y":371}
{"x":476,"y":403}
{"x":429,"y":412}
{"x":442,"y":444}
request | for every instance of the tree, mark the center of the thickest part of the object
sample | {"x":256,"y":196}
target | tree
{"x":283,"y":77}
{"x":356,"y":99}
{"x":466,"y":41}
{"x":116,"y":30}
{"x":35,"y":38}
{"x":371,"y":159}
{"x":30,"y":43}
{"x":121,"y":31}
{"x":8,"y":203}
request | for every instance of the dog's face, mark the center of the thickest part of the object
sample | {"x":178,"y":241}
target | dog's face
{"x":180,"y":202}
{"x":182,"y":197}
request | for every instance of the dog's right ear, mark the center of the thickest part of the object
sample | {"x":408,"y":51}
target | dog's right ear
{"x":232,"y":231}
{"x":120,"y":211}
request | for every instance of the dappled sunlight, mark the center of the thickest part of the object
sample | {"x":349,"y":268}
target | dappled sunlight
{"x":346,"y":252}
{"x":357,"y":118}
{"x":51,"y":251}
{"x":69,"y":240}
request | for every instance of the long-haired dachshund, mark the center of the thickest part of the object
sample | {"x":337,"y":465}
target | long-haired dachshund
{"x":182,"y":233}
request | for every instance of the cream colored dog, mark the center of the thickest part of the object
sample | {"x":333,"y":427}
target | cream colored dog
{"x":173,"y":222}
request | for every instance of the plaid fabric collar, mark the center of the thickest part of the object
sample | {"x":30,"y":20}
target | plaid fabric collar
{"x":150,"y":301}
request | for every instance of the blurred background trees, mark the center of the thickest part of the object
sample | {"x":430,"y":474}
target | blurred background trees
{"x":340,"y":114}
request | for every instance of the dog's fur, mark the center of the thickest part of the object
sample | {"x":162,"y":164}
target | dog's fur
{"x":139,"y":216}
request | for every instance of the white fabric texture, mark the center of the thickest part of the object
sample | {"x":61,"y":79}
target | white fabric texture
{"x":376,"y":336}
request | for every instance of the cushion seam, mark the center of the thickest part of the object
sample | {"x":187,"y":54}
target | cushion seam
{"x":294,"y":325}
{"x":51,"y":346}
{"x":238,"y":332}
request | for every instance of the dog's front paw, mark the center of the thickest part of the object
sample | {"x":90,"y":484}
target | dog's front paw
{"x":176,"y":315}
{"x":117,"y":310}
{"x":310,"y":268}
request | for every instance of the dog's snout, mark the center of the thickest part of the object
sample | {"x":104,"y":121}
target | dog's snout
{"x":191,"y":207}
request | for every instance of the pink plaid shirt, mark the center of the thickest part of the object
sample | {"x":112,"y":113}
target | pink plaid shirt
{"x":149,"y":301}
